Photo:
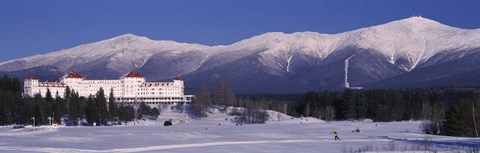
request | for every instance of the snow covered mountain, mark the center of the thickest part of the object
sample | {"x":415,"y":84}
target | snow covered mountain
{"x":111,"y":57}
{"x":406,"y":52}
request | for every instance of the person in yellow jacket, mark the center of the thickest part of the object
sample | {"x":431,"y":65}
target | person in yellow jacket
{"x":335,"y":135}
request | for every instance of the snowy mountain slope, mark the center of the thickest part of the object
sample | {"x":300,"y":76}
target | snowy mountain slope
{"x":44,"y":72}
{"x":122,"y":53}
{"x":405,"y":43}
{"x":450,"y":69}
{"x":415,"y":40}
{"x":282,"y":62}
{"x":169,"y":65}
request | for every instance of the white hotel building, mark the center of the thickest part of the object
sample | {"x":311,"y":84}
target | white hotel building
{"x":130,"y":88}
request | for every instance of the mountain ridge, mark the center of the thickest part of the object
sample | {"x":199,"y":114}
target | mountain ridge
{"x":383,"y":51}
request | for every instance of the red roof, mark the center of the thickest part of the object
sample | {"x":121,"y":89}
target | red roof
{"x":134,"y":74}
{"x":73,"y":75}
{"x":178,"y":78}
{"x":31,"y":78}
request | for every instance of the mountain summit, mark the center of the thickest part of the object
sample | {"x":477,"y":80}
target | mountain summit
{"x":410,"y":52}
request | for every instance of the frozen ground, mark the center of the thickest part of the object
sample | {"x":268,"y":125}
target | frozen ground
{"x":214,"y":134}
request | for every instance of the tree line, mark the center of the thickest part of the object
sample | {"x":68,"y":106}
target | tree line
{"x":447,"y":111}
{"x":451,"y":111}
{"x":249,"y":109}
{"x":71,"y":109}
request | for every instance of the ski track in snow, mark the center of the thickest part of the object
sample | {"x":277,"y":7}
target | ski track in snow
{"x":282,"y":133}
{"x":176,"y":146}
{"x":149,"y":148}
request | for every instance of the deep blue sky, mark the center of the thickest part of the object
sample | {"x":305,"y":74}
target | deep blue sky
{"x":36,"y":27}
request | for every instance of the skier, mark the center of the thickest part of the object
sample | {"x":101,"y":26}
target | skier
{"x":335,"y":134}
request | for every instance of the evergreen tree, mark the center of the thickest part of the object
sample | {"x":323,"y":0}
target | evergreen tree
{"x":18,"y":110}
{"x":154,"y":112}
{"x":4,"y":111}
{"x":12,"y":105}
{"x":459,"y":120}
{"x":67,"y":97}
{"x":58,"y":108}
{"x":76,"y":110}
{"x":48,"y":96}
{"x":125,"y":113}
{"x":310,"y":101}
{"x":350,"y":104}
{"x":49,"y":104}
{"x":101,"y":105}
{"x":91,"y":112}
{"x":143,"y":110}
{"x":29,"y":109}
{"x":112,"y":108}
{"x":361,"y":105}
{"x":39,"y":111}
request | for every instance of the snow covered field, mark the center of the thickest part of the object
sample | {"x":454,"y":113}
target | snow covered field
{"x":215,"y":134}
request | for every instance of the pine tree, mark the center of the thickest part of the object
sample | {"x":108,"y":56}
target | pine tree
{"x":143,"y":110}
{"x":67,"y":97}
{"x":91,"y":112}
{"x":18,"y":110}
{"x":29,"y":109}
{"x":75,"y":107}
{"x":350,"y":104}
{"x":101,"y":105}
{"x":458,"y":120}
{"x":39,"y":110}
{"x":3,"y":109}
{"x":361,"y":105}
{"x":112,"y":108}
{"x":58,"y":108}
{"x":49,"y":104}
{"x":125,"y":113}
{"x":154,"y":112}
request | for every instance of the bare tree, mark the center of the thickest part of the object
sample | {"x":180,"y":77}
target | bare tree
{"x":218,"y":94}
{"x":202,"y":102}
{"x":307,"y":110}
{"x":474,"y":122}
{"x":426,"y":110}
{"x":329,"y":113}
{"x":437,"y":116}
{"x":179,"y":107}
{"x":230,"y":98}
{"x":475,"y":104}
{"x":160,"y":108}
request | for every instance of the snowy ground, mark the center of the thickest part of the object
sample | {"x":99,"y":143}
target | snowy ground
{"x":214,"y":134}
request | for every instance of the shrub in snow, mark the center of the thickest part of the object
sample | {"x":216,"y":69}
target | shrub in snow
{"x":235,"y":112}
{"x":167,"y":123}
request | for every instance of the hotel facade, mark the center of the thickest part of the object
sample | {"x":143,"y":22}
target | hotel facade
{"x":130,"y":88}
